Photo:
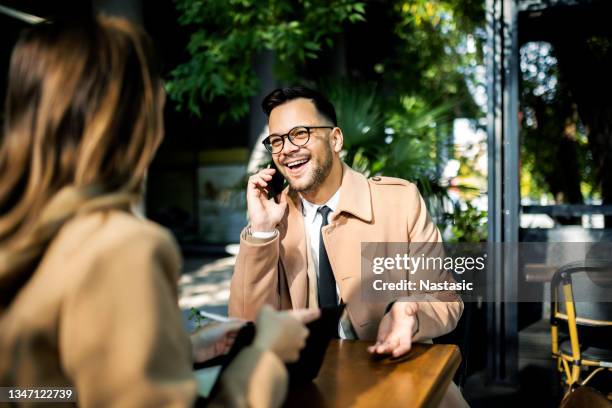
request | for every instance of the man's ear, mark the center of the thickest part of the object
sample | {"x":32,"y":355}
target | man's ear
{"x":337,"y":139}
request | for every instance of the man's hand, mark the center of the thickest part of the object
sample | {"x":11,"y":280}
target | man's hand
{"x":396,"y":330}
{"x":264,"y":214}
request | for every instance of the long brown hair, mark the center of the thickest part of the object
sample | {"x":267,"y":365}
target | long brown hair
{"x":82,"y":123}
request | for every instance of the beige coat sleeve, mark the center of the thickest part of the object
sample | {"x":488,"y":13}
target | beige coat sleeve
{"x":121,"y":339}
{"x":441,"y":311}
{"x":255,"y":281}
{"x":256,"y":378}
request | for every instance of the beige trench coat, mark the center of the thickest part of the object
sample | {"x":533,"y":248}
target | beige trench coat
{"x":100,"y":314}
{"x":379,"y":209}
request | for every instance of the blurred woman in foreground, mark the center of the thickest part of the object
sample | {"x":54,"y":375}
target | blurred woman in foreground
{"x":88,"y":292}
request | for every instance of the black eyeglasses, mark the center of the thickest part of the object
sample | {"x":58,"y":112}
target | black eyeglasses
{"x":298,"y":136}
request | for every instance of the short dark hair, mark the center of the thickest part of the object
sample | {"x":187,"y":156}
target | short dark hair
{"x":282,"y":95}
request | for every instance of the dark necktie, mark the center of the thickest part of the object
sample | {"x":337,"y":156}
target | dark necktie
{"x":326,"y":282}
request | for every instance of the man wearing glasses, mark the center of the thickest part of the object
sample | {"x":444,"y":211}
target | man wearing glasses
{"x":303,"y":249}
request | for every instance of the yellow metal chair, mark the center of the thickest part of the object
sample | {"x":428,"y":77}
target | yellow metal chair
{"x":581,"y":320}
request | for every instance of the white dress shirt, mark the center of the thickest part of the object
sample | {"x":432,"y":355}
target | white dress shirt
{"x":312,"y":222}
{"x":312,"y":225}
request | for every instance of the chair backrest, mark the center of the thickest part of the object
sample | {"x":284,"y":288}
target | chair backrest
{"x":591,"y":291}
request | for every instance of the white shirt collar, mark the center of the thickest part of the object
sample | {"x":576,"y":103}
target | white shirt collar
{"x":309,"y":210}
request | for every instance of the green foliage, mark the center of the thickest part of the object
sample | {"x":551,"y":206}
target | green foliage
{"x":359,"y":112}
{"x":407,"y":142}
{"x":419,"y":132}
{"x":396,"y":105}
{"x":420,"y":136}
{"x":361,"y":118}
{"x":437,"y":51}
{"x":469,"y":224}
{"x":229,"y":34}
{"x":196,"y":317}
{"x":556,"y":161}
{"x":434,"y":48}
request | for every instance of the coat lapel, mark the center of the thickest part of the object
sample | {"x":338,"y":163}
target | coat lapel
{"x":355,"y":200}
{"x":342,"y":239}
{"x":293,"y":249}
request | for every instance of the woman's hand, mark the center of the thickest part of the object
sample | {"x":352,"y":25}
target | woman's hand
{"x":214,"y":339}
{"x":283,"y":333}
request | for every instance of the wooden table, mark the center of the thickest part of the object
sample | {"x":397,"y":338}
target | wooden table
{"x":351,"y":377}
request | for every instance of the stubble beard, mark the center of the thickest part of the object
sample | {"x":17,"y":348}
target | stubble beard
{"x":318,"y":175}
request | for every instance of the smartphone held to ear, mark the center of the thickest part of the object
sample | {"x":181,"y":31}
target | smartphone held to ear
{"x":277,"y":184}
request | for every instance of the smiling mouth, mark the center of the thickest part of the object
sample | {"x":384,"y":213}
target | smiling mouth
{"x":295,"y":165}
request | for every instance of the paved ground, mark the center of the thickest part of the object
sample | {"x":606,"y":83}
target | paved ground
{"x":205,"y":283}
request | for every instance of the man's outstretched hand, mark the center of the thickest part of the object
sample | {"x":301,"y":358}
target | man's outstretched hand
{"x":396,"y":330}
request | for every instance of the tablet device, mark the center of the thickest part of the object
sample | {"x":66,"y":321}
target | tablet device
{"x":321,"y":331}
{"x":208,"y":372}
